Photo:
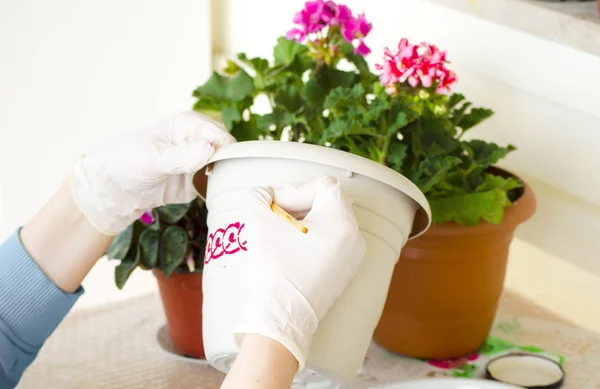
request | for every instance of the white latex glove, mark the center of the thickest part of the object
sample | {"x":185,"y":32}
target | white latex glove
{"x":296,"y":277}
{"x":116,"y":183}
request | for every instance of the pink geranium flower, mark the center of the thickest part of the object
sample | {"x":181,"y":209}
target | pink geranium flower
{"x":319,"y":14}
{"x":422,"y":64}
{"x":357,"y":28}
{"x":310,"y":19}
{"x":362,"y":49}
{"x":336,"y":14}
{"x":147,"y":217}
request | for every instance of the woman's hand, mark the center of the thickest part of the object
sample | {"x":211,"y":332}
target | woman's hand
{"x":112,"y":186}
{"x":295,"y":277}
{"x":116,"y":183}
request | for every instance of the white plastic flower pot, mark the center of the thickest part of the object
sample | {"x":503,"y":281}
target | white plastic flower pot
{"x":389,"y":208}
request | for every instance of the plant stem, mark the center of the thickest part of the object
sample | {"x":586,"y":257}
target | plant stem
{"x":385,"y":147}
{"x":195,"y":244}
{"x":318,"y":68}
{"x":352,"y":144}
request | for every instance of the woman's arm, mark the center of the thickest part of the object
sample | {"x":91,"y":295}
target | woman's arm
{"x":43,"y":265}
{"x":261,"y":364}
{"x":62,"y":242}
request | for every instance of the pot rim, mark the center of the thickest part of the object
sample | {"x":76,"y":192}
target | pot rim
{"x":335,"y":158}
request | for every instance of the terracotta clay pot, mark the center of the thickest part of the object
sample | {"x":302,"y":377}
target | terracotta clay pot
{"x":181,"y":296}
{"x":446,"y":287}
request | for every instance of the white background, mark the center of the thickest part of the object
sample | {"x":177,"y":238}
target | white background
{"x":74,"y":73}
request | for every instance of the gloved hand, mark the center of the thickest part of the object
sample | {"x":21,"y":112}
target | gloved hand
{"x":116,"y":183}
{"x":296,"y":277}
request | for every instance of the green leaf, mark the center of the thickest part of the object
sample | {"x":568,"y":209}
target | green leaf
{"x":213,"y":89}
{"x":400,"y":122}
{"x":279,"y":117}
{"x":231,"y":68}
{"x":454,"y":100}
{"x":353,"y":127}
{"x":487,"y":153}
{"x":340,"y":127}
{"x":433,"y":171}
{"x":467,"y":370}
{"x":148,"y":246}
{"x":487,"y":203}
{"x":459,"y":111}
{"x":498,"y":182}
{"x":333,"y":78}
{"x":396,"y":155}
{"x":474,"y":117}
{"x":433,"y":139}
{"x":172,"y":249}
{"x":156,"y":225}
{"x":531,"y":349}
{"x":218,"y":87}
{"x":126,"y":267}
{"x":405,"y":105}
{"x":241,"y":86}
{"x":229,"y":116}
{"x":495,"y":345}
{"x":377,"y":109}
{"x":335,"y":130}
{"x":208,"y":104}
{"x":246,"y":130}
{"x":338,"y":98}
{"x":469,"y":209}
{"x":172,"y":213}
{"x":259,"y":65}
{"x":314,"y":94}
{"x":120,"y":245}
{"x":288,"y":96}
{"x":286,"y":51}
{"x":331,"y":88}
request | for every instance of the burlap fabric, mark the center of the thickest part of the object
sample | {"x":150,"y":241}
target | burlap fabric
{"x":115,"y":347}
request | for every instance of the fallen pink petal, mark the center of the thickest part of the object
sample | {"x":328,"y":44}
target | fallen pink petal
{"x":190,"y":264}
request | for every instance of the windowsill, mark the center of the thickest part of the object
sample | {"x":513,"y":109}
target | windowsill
{"x":572,"y":23}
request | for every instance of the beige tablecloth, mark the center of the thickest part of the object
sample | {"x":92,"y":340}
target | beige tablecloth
{"x":115,"y":347}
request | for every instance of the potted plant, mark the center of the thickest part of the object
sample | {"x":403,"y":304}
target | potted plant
{"x":447,"y":284}
{"x":321,"y":91}
{"x":403,"y":115}
{"x":170,"y":241}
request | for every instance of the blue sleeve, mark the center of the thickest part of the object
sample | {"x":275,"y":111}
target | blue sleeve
{"x":31,"y":307}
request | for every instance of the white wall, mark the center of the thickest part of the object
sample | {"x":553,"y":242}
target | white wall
{"x":76,"y":72}
{"x":545,"y":96}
